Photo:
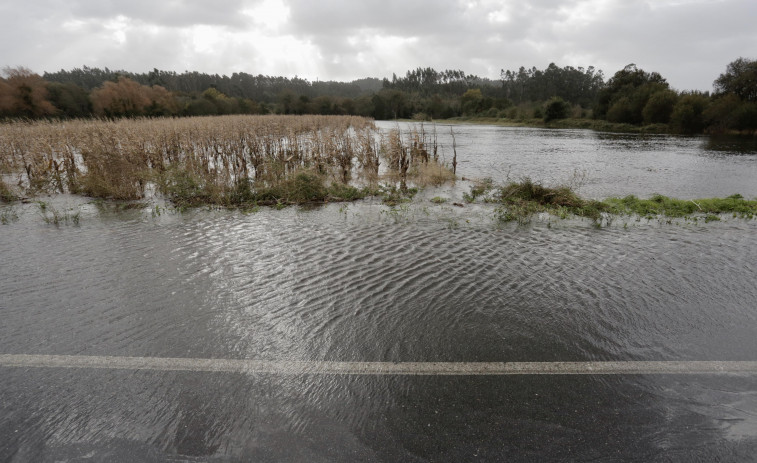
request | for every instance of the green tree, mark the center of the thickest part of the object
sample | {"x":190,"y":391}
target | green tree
{"x":688,"y":113}
{"x":659,"y":107}
{"x":719,"y":115}
{"x":740,"y":79}
{"x":287,"y":101}
{"x":69,"y":99}
{"x":396,"y":104}
{"x":472,"y":102}
{"x":745,"y":117}
{"x":223,"y":104}
{"x":634,"y":87}
{"x":622,"y":110}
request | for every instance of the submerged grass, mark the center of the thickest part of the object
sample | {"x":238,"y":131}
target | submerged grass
{"x":8,"y":215}
{"x":53,"y":216}
{"x":304,"y":186}
{"x":6,"y":195}
{"x":519,"y":201}
{"x":392,"y":196}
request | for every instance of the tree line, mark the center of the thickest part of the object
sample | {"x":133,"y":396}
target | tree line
{"x":630,"y":96}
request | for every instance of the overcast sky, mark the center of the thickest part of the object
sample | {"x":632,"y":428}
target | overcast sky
{"x":689,"y":42}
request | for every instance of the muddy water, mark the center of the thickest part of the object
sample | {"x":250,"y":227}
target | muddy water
{"x":425,"y":283}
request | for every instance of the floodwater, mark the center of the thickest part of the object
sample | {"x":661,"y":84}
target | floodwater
{"x":599,"y":165}
{"x":367,"y":283}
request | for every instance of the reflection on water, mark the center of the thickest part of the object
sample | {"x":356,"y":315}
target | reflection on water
{"x":732,"y":144}
{"x":433,"y":283}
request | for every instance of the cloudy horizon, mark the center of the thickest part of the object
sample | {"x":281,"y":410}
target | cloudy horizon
{"x":689,"y":42}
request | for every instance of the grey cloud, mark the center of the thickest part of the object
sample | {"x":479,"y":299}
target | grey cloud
{"x":689,"y":43}
{"x":172,"y":13}
{"x":169,"y":13}
{"x":392,"y":17}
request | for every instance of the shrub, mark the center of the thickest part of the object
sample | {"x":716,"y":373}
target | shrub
{"x":556,"y":108}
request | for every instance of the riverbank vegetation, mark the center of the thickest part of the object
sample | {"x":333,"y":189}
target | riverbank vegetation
{"x":631,"y":100}
{"x":519,"y":201}
{"x":232,"y":161}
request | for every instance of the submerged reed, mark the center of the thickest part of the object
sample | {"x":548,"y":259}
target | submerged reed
{"x":226,"y":160}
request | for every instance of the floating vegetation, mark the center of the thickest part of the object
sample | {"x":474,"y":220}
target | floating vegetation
{"x":231,"y":161}
{"x":392,"y":195}
{"x":53,"y":216}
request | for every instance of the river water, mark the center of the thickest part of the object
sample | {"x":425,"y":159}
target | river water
{"x":369,"y":283}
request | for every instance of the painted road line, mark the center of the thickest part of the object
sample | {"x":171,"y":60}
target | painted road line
{"x":287,"y":367}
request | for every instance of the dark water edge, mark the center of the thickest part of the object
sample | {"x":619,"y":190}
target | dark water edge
{"x":369,"y":283}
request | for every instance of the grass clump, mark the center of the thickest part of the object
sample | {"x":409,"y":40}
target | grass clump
{"x":392,"y":196}
{"x":520,"y":200}
{"x":7,"y":216}
{"x":480,"y":188}
{"x":303,"y":187}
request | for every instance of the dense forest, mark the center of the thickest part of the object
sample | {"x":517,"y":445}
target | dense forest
{"x":631,"y":96}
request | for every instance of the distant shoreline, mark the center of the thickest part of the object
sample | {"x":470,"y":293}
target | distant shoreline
{"x":583,"y":123}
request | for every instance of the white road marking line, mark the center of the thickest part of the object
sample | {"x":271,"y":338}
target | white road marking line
{"x":287,"y":367}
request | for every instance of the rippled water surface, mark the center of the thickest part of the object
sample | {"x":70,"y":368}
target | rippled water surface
{"x":424,"y":283}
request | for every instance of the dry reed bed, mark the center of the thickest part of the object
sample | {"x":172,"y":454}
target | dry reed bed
{"x":217,"y":160}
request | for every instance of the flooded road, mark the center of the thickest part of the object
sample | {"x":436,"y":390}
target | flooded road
{"x":366,"y":283}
